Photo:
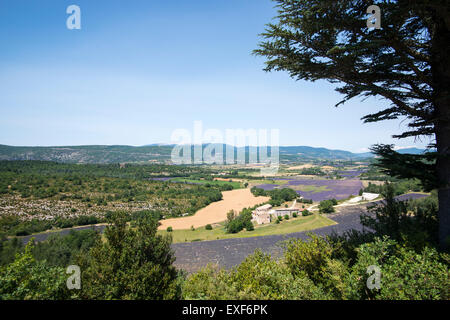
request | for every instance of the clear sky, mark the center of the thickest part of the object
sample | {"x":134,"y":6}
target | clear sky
{"x":140,"y":69}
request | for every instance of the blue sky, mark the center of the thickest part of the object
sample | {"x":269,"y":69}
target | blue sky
{"x":138,"y":70}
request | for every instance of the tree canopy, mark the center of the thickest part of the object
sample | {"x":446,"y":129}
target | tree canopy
{"x":404,"y":62}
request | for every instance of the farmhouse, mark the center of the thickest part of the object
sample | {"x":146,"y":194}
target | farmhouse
{"x":283,"y":211}
{"x":261,"y":214}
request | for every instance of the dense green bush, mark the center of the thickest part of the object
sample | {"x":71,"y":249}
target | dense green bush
{"x":405,"y":274}
{"x":413,"y":222}
{"x":305,"y":256}
{"x":317,"y":269}
{"x":57,"y":250}
{"x":61,"y":251}
{"x":13,"y":225}
{"x":243,"y":220}
{"x":277,"y":196}
{"x":9,"y":249}
{"x":133,"y":263}
{"x":257,"y":277}
{"x":326,"y":206}
{"x":28,"y":279}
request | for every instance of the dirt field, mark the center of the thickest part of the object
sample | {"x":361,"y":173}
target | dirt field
{"x":366,"y":183}
{"x":217,"y":211}
{"x":303,"y":166}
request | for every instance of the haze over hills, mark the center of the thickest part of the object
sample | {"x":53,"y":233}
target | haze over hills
{"x":160,"y":153}
{"x":411,"y":151}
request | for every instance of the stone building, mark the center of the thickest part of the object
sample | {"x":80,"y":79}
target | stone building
{"x":261,"y":214}
{"x":283,"y":211}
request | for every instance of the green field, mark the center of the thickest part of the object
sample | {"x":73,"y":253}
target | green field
{"x":279,"y":182}
{"x":287,"y":226}
{"x":314,"y":189}
{"x":267,"y":181}
{"x":234,"y":184}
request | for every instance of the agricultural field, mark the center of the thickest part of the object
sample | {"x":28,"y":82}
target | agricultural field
{"x":351,"y":173}
{"x":216,"y":212}
{"x":233,"y":184}
{"x":219,"y":232}
{"x":318,"y":190}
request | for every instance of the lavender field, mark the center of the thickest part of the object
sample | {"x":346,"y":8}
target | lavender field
{"x":351,"y":173}
{"x":318,"y":190}
{"x":411,"y":196}
{"x":162,"y":179}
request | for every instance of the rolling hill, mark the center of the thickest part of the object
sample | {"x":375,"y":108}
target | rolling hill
{"x":158,"y":153}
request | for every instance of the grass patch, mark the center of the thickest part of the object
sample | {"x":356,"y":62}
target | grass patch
{"x":313,"y":189}
{"x":234,"y":184}
{"x":278,"y":182}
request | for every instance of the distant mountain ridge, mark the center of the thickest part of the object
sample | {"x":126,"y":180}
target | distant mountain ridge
{"x":160,"y":153}
{"x":411,"y":151}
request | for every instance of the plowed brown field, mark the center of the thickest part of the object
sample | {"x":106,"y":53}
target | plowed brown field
{"x":216,"y":211}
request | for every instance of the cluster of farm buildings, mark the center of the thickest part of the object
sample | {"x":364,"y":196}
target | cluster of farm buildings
{"x":265,"y":213}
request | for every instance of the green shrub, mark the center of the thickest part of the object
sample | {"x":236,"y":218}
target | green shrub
{"x":306,"y":213}
{"x":208,"y":227}
{"x":28,"y":279}
{"x":8,"y":249}
{"x":326,"y":206}
{"x":257,"y":277}
{"x":414,"y":223}
{"x":234,"y":226}
{"x":61,"y":250}
{"x":308,"y":256}
{"x":249,"y":226}
{"x":169,"y":229}
{"x":243,"y":220}
{"x":133,"y":263}
{"x":405,"y":274}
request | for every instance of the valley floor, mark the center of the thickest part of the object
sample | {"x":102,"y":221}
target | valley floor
{"x":286,"y":226}
{"x":226,"y":253}
{"x":217,"y":211}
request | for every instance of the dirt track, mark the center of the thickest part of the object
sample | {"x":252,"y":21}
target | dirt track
{"x":216,"y":211}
